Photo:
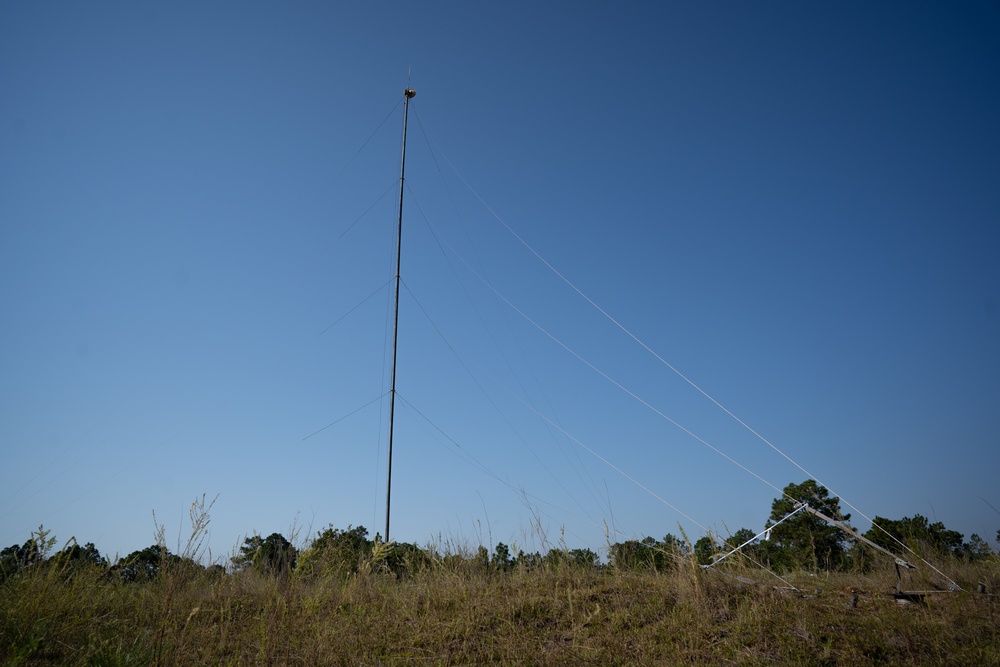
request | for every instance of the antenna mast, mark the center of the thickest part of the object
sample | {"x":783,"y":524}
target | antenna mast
{"x":408,"y":94}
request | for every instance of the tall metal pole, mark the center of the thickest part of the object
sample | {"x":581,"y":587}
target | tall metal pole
{"x":408,"y":94}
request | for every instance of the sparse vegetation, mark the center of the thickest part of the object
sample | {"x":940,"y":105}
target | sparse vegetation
{"x":345,"y":599}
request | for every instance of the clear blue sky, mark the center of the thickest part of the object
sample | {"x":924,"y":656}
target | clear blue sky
{"x":794,"y":204}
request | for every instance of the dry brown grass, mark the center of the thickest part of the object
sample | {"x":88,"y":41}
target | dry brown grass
{"x":464,"y":615}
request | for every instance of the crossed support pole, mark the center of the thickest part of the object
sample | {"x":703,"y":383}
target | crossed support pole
{"x":900,"y":563}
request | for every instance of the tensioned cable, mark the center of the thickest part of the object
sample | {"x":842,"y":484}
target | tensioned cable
{"x":545,"y":419}
{"x":638,"y":483}
{"x":532,"y":407}
{"x":335,"y":323}
{"x":663,"y":361}
{"x":754,"y":560}
{"x":657,"y":411}
{"x":618,"y":324}
{"x":358,"y":152}
{"x":433,"y":150}
{"x":551,"y":423}
{"x":620,"y":386}
{"x":343,"y":417}
{"x":482,"y":468}
{"x":363,"y":302}
{"x":611,"y":379}
{"x":631,"y":335}
{"x":569,"y":435}
{"x":690,"y":382}
{"x":603,"y":312}
{"x":471,"y":459}
{"x":612,"y":465}
{"x":177,"y":434}
{"x":496,"y":344}
{"x":501,"y":310}
{"x":41,"y":487}
{"x":496,"y":407}
{"x":756,"y":537}
{"x":433,"y":154}
{"x":661,"y":414}
{"x":368,"y":210}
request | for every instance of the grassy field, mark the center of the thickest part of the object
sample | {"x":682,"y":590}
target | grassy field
{"x":454,"y":611}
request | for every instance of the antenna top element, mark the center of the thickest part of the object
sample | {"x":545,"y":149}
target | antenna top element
{"x":409,"y":92}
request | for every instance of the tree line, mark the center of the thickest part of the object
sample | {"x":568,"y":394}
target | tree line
{"x":800,"y":541}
